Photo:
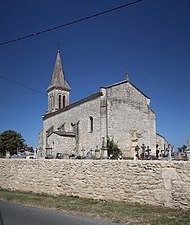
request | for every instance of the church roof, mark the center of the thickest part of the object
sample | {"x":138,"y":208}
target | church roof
{"x":125,"y":81}
{"x":75,"y":104}
{"x":58,"y":78}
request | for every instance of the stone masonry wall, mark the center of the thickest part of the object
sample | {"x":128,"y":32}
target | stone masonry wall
{"x":147,"y":182}
{"x":62,"y":144}
{"x":129,"y":111}
{"x":81,"y":114}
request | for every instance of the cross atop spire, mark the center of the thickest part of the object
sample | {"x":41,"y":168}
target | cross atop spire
{"x":58,"y":78}
{"x":59,"y":89}
{"x":127,"y":75}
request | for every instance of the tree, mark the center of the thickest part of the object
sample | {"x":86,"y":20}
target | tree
{"x":182,"y":149}
{"x":113,"y":149}
{"x":10,"y":141}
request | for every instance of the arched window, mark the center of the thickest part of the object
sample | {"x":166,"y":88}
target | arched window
{"x":59,"y":101}
{"x":63,"y":101}
{"x":50,"y":108}
{"x":91,"y":124}
{"x":51,"y":102}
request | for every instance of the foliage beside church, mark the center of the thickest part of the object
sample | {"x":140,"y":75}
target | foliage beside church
{"x":11,"y":141}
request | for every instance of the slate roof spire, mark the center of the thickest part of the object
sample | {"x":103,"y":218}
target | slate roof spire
{"x":58,"y":80}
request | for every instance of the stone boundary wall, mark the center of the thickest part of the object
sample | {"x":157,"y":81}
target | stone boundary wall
{"x":158,"y":183}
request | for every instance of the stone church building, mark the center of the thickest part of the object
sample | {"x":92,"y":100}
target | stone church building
{"x":119,"y":111}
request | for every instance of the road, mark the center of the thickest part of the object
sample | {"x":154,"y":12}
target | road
{"x":16,"y":214}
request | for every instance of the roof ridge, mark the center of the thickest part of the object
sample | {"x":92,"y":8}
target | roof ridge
{"x":122,"y":82}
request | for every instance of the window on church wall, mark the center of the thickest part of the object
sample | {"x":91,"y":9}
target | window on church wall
{"x":63,"y":101}
{"x":91,"y":127}
{"x":128,"y":94}
{"x":51,"y":102}
{"x":59,"y":101}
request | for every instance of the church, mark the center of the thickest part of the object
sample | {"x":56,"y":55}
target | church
{"x":120,"y":112}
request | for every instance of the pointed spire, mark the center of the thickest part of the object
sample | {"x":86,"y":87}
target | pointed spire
{"x":58,"y":77}
{"x":127,"y":76}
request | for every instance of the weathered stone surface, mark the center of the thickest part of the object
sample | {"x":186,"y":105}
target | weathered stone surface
{"x":151,"y":182}
{"x":117,"y":111}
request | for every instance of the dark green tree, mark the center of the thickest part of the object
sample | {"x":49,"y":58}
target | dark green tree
{"x":113,"y":149}
{"x":182,"y":149}
{"x":11,"y":141}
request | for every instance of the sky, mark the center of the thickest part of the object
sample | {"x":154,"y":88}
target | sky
{"x":150,"y":40}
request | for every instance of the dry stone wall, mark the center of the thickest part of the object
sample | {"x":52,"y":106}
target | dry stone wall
{"x":147,"y":182}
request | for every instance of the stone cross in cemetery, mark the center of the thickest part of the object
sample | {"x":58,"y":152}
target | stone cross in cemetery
{"x":137,"y":148}
{"x":147,"y":153}
{"x":143,"y":147}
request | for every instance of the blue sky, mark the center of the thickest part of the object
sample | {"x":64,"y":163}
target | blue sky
{"x":150,"y":39}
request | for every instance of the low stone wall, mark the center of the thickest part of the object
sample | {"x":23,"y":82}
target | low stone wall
{"x":148,"y":182}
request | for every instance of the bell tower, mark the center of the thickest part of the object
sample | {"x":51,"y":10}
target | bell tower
{"x":58,"y":90}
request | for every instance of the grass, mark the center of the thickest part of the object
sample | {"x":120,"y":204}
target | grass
{"x":131,"y":214}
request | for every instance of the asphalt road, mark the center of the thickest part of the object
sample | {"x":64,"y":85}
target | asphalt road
{"x":16,"y":214}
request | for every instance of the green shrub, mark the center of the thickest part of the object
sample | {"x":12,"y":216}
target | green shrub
{"x":113,"y":150}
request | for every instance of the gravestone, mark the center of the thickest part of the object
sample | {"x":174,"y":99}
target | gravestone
{"x":97,"y":153}
{"x":137,"y":148}
{"x":143,"y":147}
